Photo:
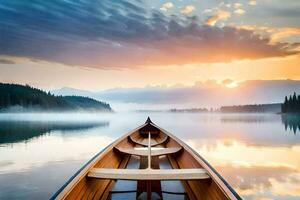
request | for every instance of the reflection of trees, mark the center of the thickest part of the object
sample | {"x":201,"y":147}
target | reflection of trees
{"x":246,"y":118}
{"x":291,"y":121}
{"x":17,"y":131}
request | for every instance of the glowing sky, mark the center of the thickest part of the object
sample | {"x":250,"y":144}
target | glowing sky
{"x":102,"y":44}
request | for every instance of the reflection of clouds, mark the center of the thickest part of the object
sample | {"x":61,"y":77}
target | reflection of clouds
{"x":230,"y":151}
{"x":39,"y":151}
{"x":270,"y":132}
{"x":256,"y":172}
{"x":242,"y":118}
{"x":290,"y":187}
{"x":260,"y":182}
{"x":5,"y":163}
{"x":257,"y":179}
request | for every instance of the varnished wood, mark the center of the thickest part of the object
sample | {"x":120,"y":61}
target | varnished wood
{"x":148,"y":174}
{"x":154,"y":152}
{"x":97,"y":178}
{"x":145,"y":143}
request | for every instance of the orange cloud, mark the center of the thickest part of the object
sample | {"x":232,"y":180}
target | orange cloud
{"x":240,"y":11}
{"x":187,"y":9}
{"x":219,"y":15}
{"x":275,"y":34}
{"x":130,"y":36}
{"x":237,"y":5}
{"x":252,"y":3}
{"x":166,"y":6}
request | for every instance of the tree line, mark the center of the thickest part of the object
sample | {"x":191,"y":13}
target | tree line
{"x":25,"y":96}
{"x":291,"y":104}
{"x":28,"y":97}
{"x":255,"y":108}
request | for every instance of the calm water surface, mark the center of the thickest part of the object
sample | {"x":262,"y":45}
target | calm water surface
{"x":258,"y":154}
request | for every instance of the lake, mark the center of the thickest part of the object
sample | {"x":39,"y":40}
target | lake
{"x":258,"y":154}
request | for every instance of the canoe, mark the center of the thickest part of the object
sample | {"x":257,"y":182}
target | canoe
{"x":147,"y":163}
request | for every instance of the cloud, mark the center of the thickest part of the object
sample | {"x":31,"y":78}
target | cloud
{"x":237,"y":5}
{"x":6,"y":61}
{"x":282,"y":33}
{"x":187,"y":9}
{"x":239,"y":11}
{"x":123,"y":34}
{"x":219,"y":15}
{"x":227,"y":81}
{"x":252,"y":3}
{"x":278,"y":34}
{"x":166,"y":6}
{"x":228,"y":5}
{"x":207,"y":11}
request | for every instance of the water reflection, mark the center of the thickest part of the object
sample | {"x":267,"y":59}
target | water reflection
{"x":253,"y":182}
{"x":247,"y":118}
{"x":18,"y":131}
{"x":254,"y":153}
{"x":291,"y":122}
{"x":256,"y":172}
{"x":38,"y":156}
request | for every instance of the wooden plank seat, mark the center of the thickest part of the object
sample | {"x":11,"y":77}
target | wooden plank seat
{"x":145,"y":143}
{"x":149,"y":174}
{"x":145,"y":152}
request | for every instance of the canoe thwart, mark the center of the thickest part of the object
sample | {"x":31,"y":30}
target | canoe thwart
{"x":149,"y":174}
{"x":145,"y":144}
{"x":144,"y":152}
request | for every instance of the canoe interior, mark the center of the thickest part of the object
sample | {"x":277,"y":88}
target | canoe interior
{"x":83,"y":187}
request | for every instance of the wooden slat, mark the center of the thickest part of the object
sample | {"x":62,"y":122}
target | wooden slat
{"x":78,"y":185}
{"x":145,"y":144}
{"x":217,"y":183}
{"x":142,"y":152}
{"x":149,"y":174}
{"x":203,"y":184}
{"x":100,"y":194}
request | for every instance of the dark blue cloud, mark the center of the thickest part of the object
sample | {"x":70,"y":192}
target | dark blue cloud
{"x":118,"y":33}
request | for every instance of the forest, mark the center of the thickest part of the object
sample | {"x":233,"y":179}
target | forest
{"x":22,"y":97}
{"x":291,"y":104}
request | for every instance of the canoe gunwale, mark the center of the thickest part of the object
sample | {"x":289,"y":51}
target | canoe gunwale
{"x":84,"y":170}
{"x":213,"y":173}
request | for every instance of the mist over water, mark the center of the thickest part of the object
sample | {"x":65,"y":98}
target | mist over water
{"x":40,"y":151}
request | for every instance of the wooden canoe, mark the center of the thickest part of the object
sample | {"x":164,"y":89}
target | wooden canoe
{"x":147,"y":163}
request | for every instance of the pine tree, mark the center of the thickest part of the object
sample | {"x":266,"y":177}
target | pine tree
{"x":291,"y":104}
{"x":294,"y":103}
{"x":298,"y":104}
{"x":284,"y":105}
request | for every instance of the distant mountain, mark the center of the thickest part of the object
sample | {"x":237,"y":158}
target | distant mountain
{"x":67,"y":91}
{"x":14,"y":98}
{"x":207,"y":94}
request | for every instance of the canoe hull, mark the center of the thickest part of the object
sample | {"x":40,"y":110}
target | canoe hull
{"x":81,"y":186}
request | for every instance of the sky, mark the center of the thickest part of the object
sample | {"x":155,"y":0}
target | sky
{"x":103,"y":44}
